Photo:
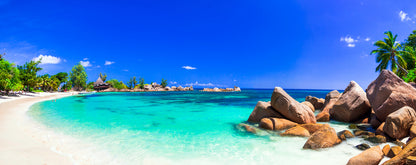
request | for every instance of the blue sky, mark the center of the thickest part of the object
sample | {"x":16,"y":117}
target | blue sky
{"x":251,"y":44}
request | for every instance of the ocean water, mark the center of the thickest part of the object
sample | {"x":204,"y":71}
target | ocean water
{"x":180,"y":127}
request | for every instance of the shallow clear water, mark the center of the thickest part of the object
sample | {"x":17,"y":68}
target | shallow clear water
{"x":182,"y":127}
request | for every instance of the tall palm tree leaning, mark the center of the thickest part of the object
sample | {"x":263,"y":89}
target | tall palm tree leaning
{"x":389,"y":52}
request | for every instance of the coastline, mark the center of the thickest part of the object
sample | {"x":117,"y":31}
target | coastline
{"x":19,"y":146}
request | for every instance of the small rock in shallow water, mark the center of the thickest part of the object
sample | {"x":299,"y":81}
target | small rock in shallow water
{"x":352,"y":126}
{"x":362,"y":146}
{"x":361,"y":132}
{"x":343,"y":135}
{"x":376,"y":139}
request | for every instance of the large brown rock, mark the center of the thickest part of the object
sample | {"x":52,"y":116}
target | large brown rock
{"x":309,"y":104}
{"x":412,"y":131}
{"x":276,"y":124}
{"x":316,"y":102}
{"x":262,"y":110}
{"x":398,"y":123}
{"x":290,"y":108}
{"x":400,"y":158}
{"x":330,"y":100}
{"x":331,"y":96}
{"x":389,"y":93}
{"x":323,"y":138}
{"x":352,"y":105}
{"x":296,"y":131}
{"x":370,"y":156}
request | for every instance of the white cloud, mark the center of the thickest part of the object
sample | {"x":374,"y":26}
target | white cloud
{"x":85,"y":59}
{"x":173,"y":82}
{"x":367,"y":39}
{"x":125,"y":70}
{"x":109,"y":62}
{"x":85,"y":63}
{"x":235,"y":80}
{"x":404,"y":16}
{"x":349,"y":40}
{"x":351,"y":45}
{"x":188,"y":67}
{"x":47,"y":59}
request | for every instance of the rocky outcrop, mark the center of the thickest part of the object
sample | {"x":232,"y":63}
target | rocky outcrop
{"x":389,"y":93}
{"x":235,"y":89}
{"x":330,"y":100}
{"x":352,"y":105}
{"x":263,"y":110}
{"x":370,"y":156}
{"x":400,"y":158}
{"x":290,"y":108}
{"x":316,"y":102}
{"x":296,"y":131}
{"x":398,"y":123}
{"x":276,"y":124}
{"x":323,"y":138}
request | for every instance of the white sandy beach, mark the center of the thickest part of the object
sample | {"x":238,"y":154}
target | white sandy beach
{"x":18,"y":146}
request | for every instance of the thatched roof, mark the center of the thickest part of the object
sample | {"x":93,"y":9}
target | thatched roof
{"x":99,"y":82}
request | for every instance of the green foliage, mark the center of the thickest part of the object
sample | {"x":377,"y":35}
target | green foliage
{"x":409,"y":55}
{"x":164,"y":83}
{"x":90,"y":86}
{"x":411,"y":40}
{"x":61,"y":76}
{"x":49,"y":83}
{"x":9,"y":77}
{"x":103,"y":77}
{"x":389,"y":53}
{"x":132,"y":83}
{"x":78,"y":77}
{"x":141,"y":83}
{"x":67,"y":86}
{"x":117,"y":84}
{"x":411,"y":76}
{"x":28,"y":74}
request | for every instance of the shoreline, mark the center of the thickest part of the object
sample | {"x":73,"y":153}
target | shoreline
{"x":19,"y":146}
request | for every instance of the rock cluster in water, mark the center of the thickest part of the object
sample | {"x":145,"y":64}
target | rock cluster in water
{"x":151,"y":88}
{"x":385,"y":112}
{"x":235,"y":89}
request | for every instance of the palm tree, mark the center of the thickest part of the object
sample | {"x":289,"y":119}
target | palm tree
{"x":389,"y":52}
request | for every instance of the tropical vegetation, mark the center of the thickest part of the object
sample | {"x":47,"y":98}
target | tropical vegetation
{"x":398,"y":57}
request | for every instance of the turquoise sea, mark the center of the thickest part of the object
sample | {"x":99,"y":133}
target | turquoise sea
{"x":180,"y":127}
